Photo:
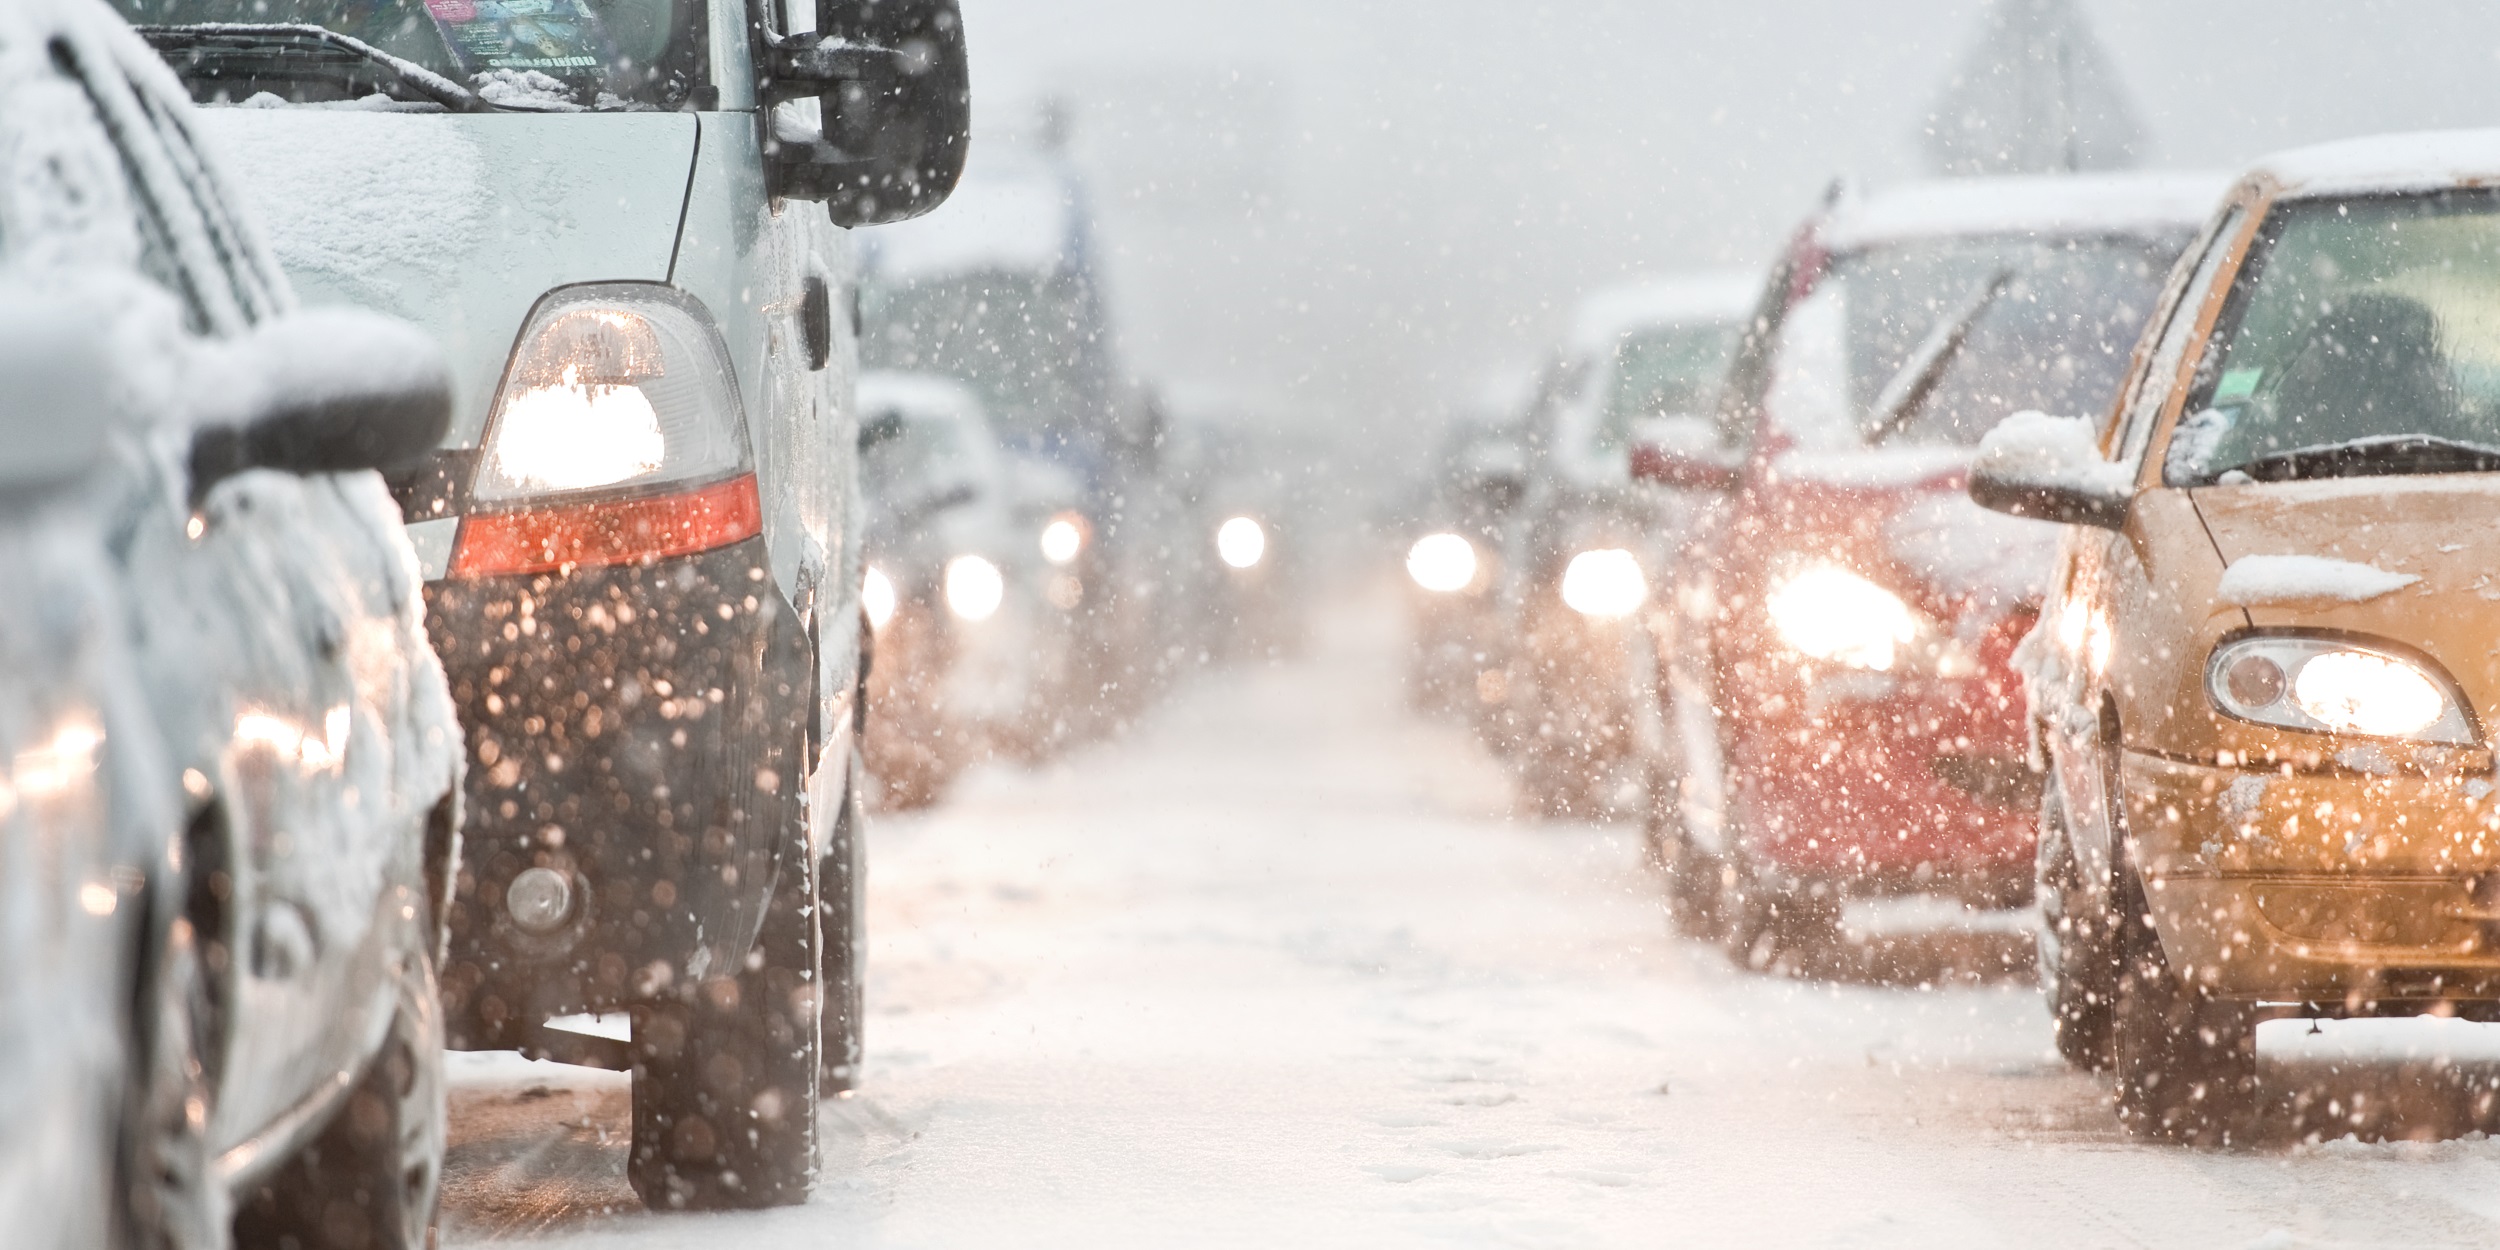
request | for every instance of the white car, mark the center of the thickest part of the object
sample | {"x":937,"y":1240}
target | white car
{"x":289,"y":758}
{"x":625,"y":221}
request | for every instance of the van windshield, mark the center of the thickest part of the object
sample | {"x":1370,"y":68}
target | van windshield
{"x":525,"y":53}
{"x":2049,"y":325}
{"x":2362,"y":337}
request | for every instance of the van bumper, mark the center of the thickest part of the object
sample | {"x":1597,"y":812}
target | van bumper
{"x":641,"y":731}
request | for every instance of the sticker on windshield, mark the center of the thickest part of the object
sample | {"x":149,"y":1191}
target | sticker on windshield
{"x":2237,"y":384}
{"x":557,"y":37}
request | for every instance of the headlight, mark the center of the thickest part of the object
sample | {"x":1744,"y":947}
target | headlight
{"x":1605,"y":582}
{"x":615,"y":384}
{"x":876,"y":597}
{"x":2327,"y":685}
{"x":1063,"y":538}
{"x":1241,"y":541}
{"x":1442,"y":562}
{"x":974,"y":588}
{"x":1830,"y":613}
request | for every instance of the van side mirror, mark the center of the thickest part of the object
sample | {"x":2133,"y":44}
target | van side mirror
{"x":323,"y":390}
{"x":2050,"y":469}
{"x":894,"y":92}
{"x":1683,"y":452}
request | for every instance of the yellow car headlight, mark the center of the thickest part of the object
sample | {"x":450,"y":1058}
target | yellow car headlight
{"x":1607,"y":582}
{"x":2336,"y":686}
{"x":1829,"y":613}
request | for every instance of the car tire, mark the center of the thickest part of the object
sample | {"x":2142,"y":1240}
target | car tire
{"x":1698,"y":880}
{"x":1775,"y":926}
{"x":841,"y":881}
{"x":2078,"y":966}
{"x":373,"y":1178}
{"x":2186,"y":1061}
{"x":725,"y":1071}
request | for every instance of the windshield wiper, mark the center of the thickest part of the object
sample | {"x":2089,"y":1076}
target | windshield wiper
{"x":251,"y":54}
{"x":1909,"y":389}
{"x":2377,"y":456}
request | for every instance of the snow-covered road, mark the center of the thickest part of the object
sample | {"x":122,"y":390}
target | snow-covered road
{"x":1277,"y":968}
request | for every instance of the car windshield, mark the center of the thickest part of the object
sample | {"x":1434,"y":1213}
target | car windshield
{"x":2362,"y":336}
{"x":1665,"y":371}
{"x":2043,"y":324}
{"x":916,"y":454}
{"x":590,"y":53}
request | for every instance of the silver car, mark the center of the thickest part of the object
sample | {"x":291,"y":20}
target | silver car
{"x":283,"y":908}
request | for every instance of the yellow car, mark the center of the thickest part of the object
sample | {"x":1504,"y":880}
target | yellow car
{"x":2260,"y":680}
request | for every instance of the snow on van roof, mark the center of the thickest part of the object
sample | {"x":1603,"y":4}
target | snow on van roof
{"x":2399,"y":162}
{"x":2042,"y":204}
{"x":1607,"y":315}
{"x":1011,"y":213}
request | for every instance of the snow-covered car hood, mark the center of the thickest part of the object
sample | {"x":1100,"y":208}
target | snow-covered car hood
{"x":458,"y":222}
{"x":2403,"y":558}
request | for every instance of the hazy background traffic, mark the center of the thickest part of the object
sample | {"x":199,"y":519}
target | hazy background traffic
{"x":1355,"y":213}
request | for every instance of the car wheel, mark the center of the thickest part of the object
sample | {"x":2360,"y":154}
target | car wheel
{"x":725,"y":1071}
{"x":2078,"y":968}
{"x":371,"y":1180}
{"x":841,"y":879}
{"x":2186,"y":1061}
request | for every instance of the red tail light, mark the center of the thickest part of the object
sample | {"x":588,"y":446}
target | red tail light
{"x":592,"y":535}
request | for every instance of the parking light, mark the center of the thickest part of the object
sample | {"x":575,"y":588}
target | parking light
{"x":1063,"y":539}
{"x":1442,"y":562}
{"x":974,"y":588}
{"x":1606,"y":582}
{"x":1241,"y":542}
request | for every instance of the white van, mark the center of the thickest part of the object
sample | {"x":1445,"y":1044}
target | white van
{"x":625,"y":221}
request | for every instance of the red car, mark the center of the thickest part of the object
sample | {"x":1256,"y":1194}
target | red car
{"x":1845,"y":719}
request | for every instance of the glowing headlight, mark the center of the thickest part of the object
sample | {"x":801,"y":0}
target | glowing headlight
{"x":1830,"y":613}
{"x":1241,"y":542}
{"x":618,"y":383}
{"x":2329,"y":686}
{"x":974,"y":588}
{"x":1063,"y":538}
{"x":1605,"y":582}
{"x":876,"y":597}
{"x":1442,"y":562}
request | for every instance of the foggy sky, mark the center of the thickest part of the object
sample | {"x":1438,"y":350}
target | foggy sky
{"x":1359,"y":209}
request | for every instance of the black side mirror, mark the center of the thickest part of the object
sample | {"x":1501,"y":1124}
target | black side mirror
{"x":877,"y":430}
{"x":895,"y":94}
{"x":327,"y":390}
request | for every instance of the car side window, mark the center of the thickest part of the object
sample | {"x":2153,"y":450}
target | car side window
{"x":204,"y":200}
{"x":2152,"y":386}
